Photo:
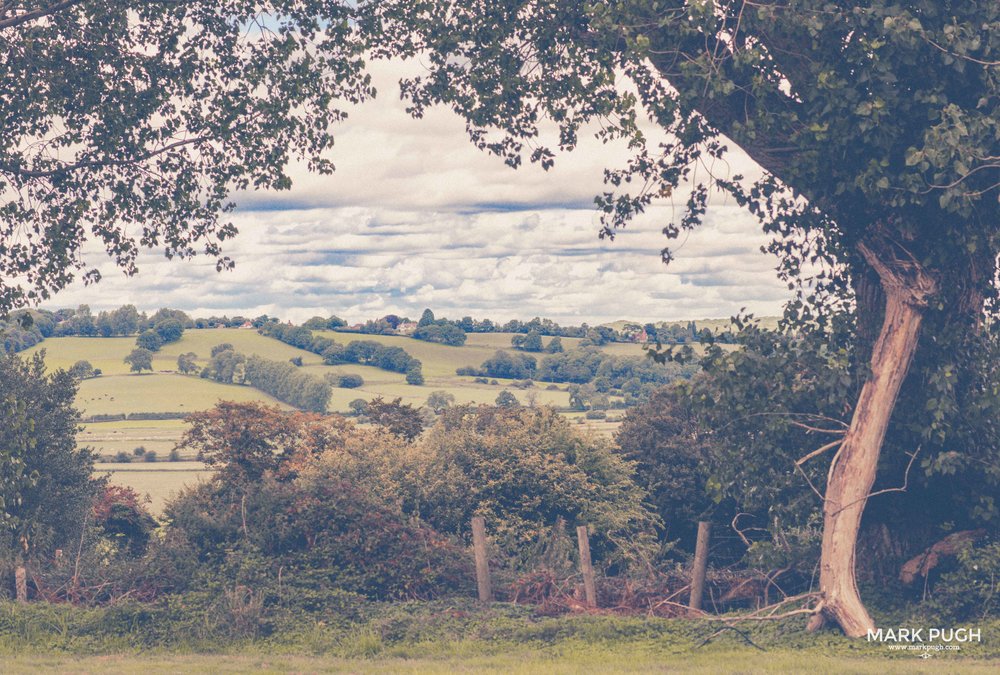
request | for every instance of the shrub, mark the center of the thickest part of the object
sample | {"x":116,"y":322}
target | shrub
{"x":972,"y":590}
{"x":675,"y":462}
{"x":414,"y":375}
{"x":82,"y":370}
{"x":139,"y":451}
{"x":350,"y":381}
{"x":525,"y":468}
{"x":320,"y":505}
{"x":174,"y":456}
{"x":150,"y":456}
{"x":123,"y":457}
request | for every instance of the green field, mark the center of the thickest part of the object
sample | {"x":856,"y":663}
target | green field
{"x":456,"y":635}
{"x":108,"y":354}
{"x":118,"y":391}
{"x":158,"y":481}
{"x":540,"y":661}
{"x":159,"y":392}
{"x":109,"y":438}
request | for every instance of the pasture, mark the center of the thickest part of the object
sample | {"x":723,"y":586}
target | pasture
{"x":159,"y":392}
{"x":157,"y":481}
{"x":109,"y":438}
{"x":165,"y":391}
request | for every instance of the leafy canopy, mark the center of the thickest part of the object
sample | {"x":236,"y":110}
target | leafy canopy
{"x":130,"y":124}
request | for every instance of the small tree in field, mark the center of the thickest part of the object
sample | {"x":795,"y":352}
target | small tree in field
{"x":139,"y":360}
{"x":414,"y":374}
{"x":440,"y":400}
{"x":186,"y":363}
{"x":505,"y":399}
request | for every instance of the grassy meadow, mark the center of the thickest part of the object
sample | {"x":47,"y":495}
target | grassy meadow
{"x":453,"y":636}
{"x":164,"y":390}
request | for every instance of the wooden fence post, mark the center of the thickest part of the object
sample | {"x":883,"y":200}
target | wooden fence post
{"x":21,"y":584}
{"x":482,"y":559}
{"x":583,"y":539}
{"x":700,"y":564}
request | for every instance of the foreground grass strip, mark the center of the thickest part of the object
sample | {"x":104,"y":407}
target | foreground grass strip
{"x":605,"y":660}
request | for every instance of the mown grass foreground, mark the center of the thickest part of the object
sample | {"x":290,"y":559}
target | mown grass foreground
{"x":437,"y":637}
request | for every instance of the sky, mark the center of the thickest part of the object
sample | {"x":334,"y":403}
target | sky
{"x":415,"y":216}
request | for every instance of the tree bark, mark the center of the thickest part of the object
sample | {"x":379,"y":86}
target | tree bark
{"x":852,"y":473}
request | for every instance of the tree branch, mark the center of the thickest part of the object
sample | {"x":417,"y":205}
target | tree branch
{"x":18,"y":19}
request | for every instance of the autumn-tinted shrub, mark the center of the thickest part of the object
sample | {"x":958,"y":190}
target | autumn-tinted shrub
{"x":971,"y":591}
{"x":313,"y":499}
{"x":524,"y":469}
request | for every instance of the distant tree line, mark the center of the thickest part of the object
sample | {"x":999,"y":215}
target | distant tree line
{"x":288,"y":384}
{"x":329,"y":323}
{"x":20,"y":331}
{"x":164,"y":327}
{"x":361,"y":352}
{"x":280,"y":379}
{"x":446,"y":331}
{"x":23,"y":329}
{"x":633,"y":377}
{"x":440,"y":331}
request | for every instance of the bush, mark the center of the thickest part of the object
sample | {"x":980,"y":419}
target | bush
{"x":675,"y":463}
{"x":82,"y":370}
{"x":972,"y":590}
{"x":123,"y":457}
{"x":524,"y":469}
{"x":596,"y":415}
{"x":350,"y":381}
{"x":174,"y":456}
{"x":314,"y":499}
{"x":139,"y":451}
{"x":414,"y":375}
{"x":150,"y":456}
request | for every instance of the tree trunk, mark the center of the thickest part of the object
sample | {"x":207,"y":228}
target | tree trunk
{"x":852,"y":471}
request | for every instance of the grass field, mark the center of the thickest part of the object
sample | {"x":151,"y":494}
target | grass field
{"x":604,"y":659}
{"x":118,"y":391}
{"x":156,"y":480}
{"x":456,"y":635}
{"x":109,"y":438}
{"x":159,"y":392}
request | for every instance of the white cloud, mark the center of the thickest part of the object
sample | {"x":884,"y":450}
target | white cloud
{"x":416,"y":217}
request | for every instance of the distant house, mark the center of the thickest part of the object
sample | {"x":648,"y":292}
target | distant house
{"x":634,"y":333}
{"x":246,"y":325}
{"x":356,"y":327}
{"x":406,"y":327}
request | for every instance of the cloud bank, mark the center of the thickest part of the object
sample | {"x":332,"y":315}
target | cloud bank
{"x":416,"y":217}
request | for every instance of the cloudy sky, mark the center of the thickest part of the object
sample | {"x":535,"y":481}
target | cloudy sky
{"x":416,"y":217}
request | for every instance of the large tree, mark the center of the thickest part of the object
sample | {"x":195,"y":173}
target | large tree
{"x":129,"y":124}
{"x":46,"y":482}
{"x":875,"y":125}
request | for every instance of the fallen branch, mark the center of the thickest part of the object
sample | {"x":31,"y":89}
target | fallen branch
{"x":922,"y":564}
{"x":768,"y":613}
{"x":742,"y":634}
